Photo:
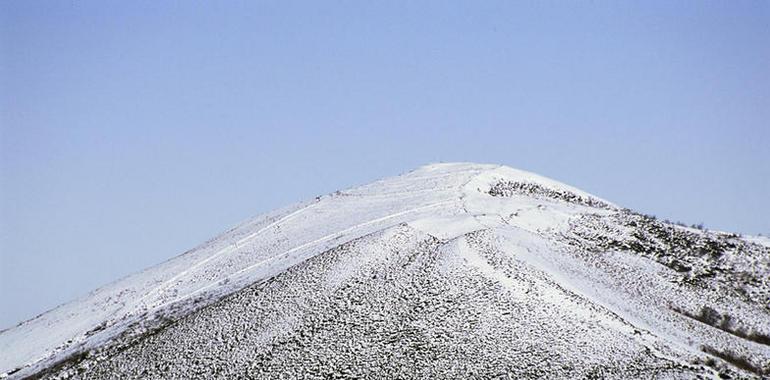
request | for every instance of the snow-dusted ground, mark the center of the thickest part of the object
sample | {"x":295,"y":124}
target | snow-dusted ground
{"x":451,"y":270}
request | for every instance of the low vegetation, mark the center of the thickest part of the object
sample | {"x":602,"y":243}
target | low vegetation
{"x":741,"y":362}
{"x":726,"y":323}
{"x":510,"y":188}
{"x":698,"y":257}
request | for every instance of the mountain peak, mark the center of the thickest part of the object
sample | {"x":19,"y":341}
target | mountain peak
{"x":474,"y":263}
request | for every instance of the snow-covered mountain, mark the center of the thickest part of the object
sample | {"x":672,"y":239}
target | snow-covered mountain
{"x":448,"y":271}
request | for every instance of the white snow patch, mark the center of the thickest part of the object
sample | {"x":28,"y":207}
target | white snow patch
{"x":448,"y":227}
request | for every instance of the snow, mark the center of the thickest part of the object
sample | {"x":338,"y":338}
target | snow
{"x":448,"y":227}
{"x":521,"y":242}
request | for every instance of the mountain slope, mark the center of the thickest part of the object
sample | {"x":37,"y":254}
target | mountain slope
{"x":452,"y":270}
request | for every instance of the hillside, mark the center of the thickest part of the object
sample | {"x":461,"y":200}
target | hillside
{"x":448,"y":271}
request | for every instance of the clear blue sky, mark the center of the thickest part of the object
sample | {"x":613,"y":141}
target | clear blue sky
{"x":132,"y":131}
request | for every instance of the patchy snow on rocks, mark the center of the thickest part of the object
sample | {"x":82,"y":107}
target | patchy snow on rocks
{"x":448,"y":271}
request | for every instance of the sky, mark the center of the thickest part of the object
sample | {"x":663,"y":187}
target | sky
{"x":132,"y":131}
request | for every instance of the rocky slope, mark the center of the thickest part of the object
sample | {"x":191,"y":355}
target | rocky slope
{"x":449,"y":271}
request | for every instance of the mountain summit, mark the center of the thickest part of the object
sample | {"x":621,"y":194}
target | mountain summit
{"x":449,"y":271}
